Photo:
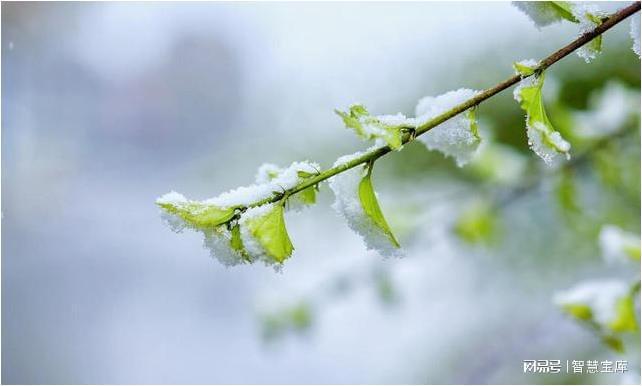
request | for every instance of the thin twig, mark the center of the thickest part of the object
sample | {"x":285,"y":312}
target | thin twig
{"x":472,"y":102}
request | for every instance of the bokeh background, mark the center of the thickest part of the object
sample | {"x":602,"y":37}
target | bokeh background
{"x":106,"y":106}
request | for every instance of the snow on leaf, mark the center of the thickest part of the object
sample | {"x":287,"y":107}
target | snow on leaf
{"x":197,"y":215}
{"x":542,"y":137}
{"x":589,"y":17}
{"x":216,"y":217}
{"x":543,"y":13}
{"x":371,"y":206}
{"x":225,"y":246}
{"x":264,"y":234}
{"x":304,"y":174}
{"x":386,"y":129}
{"x":267,"y":172}
{"x":308,"y":196}
{"x":618,"y":245}
{"x":587,"y":14}
{"x":270,"y":179}
{"x":208,"y":219}
{"x":625,"y":319}
{"x":235,"y":240}
{"x":635,"y":33}
{"x":457,"y":137}
{"x":525,"y":67}
{"x":605,"y":302}
{"x":563,"y":9}
{"x":348,"y":187}
{"x":286,"y":178}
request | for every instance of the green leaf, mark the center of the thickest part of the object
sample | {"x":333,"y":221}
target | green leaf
{"x":633,"y":251}
{"x":606,"y":308}
{"x":477,"y":224}
{"x":199,"y":215}
{"x":352,"y":119}
{"x":295,"y":319}
{"x":563,"y":9}
{"x":579,"y":311}
{"x":235,"y":242}
{"x":523,"y":69}
{"x":614,"y":343}
{"x":543,"y":138}
{"x":272,"y":327}
{"x":544,"y":13}
{"x":590,"y":50}
{"x":300,"y":317}
{"x":474,"y":127}
{"x":625,"y":319}
{"x":270,"y":231}
{"x":304,"y":174}
{"x":595,"y":45}
{"x":308,"y":195}
{"x":385,"y":288}
{"x":371,"y":207}
{"x":371,"y":127}
{"x":392,"y":137}
{"x":272,"y":174}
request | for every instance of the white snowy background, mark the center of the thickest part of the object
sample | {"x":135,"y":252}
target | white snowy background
{"x":107,"y":106}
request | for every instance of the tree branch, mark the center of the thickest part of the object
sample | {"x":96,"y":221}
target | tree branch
{"x":372,"y":155}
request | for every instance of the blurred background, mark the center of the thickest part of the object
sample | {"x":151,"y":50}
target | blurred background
{"x":106,"y":106}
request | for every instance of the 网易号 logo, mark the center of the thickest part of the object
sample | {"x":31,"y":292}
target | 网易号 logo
{"x":555,"y":366}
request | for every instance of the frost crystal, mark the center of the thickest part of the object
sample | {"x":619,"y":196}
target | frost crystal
{"x":600,"y":296}
{"x":347,"y":203}
{"x":589,"y":17}
{"x":618,"y":245}
{"x":635,"y":33}
{"x":458,"y":136}
{"x":610,"y":109}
